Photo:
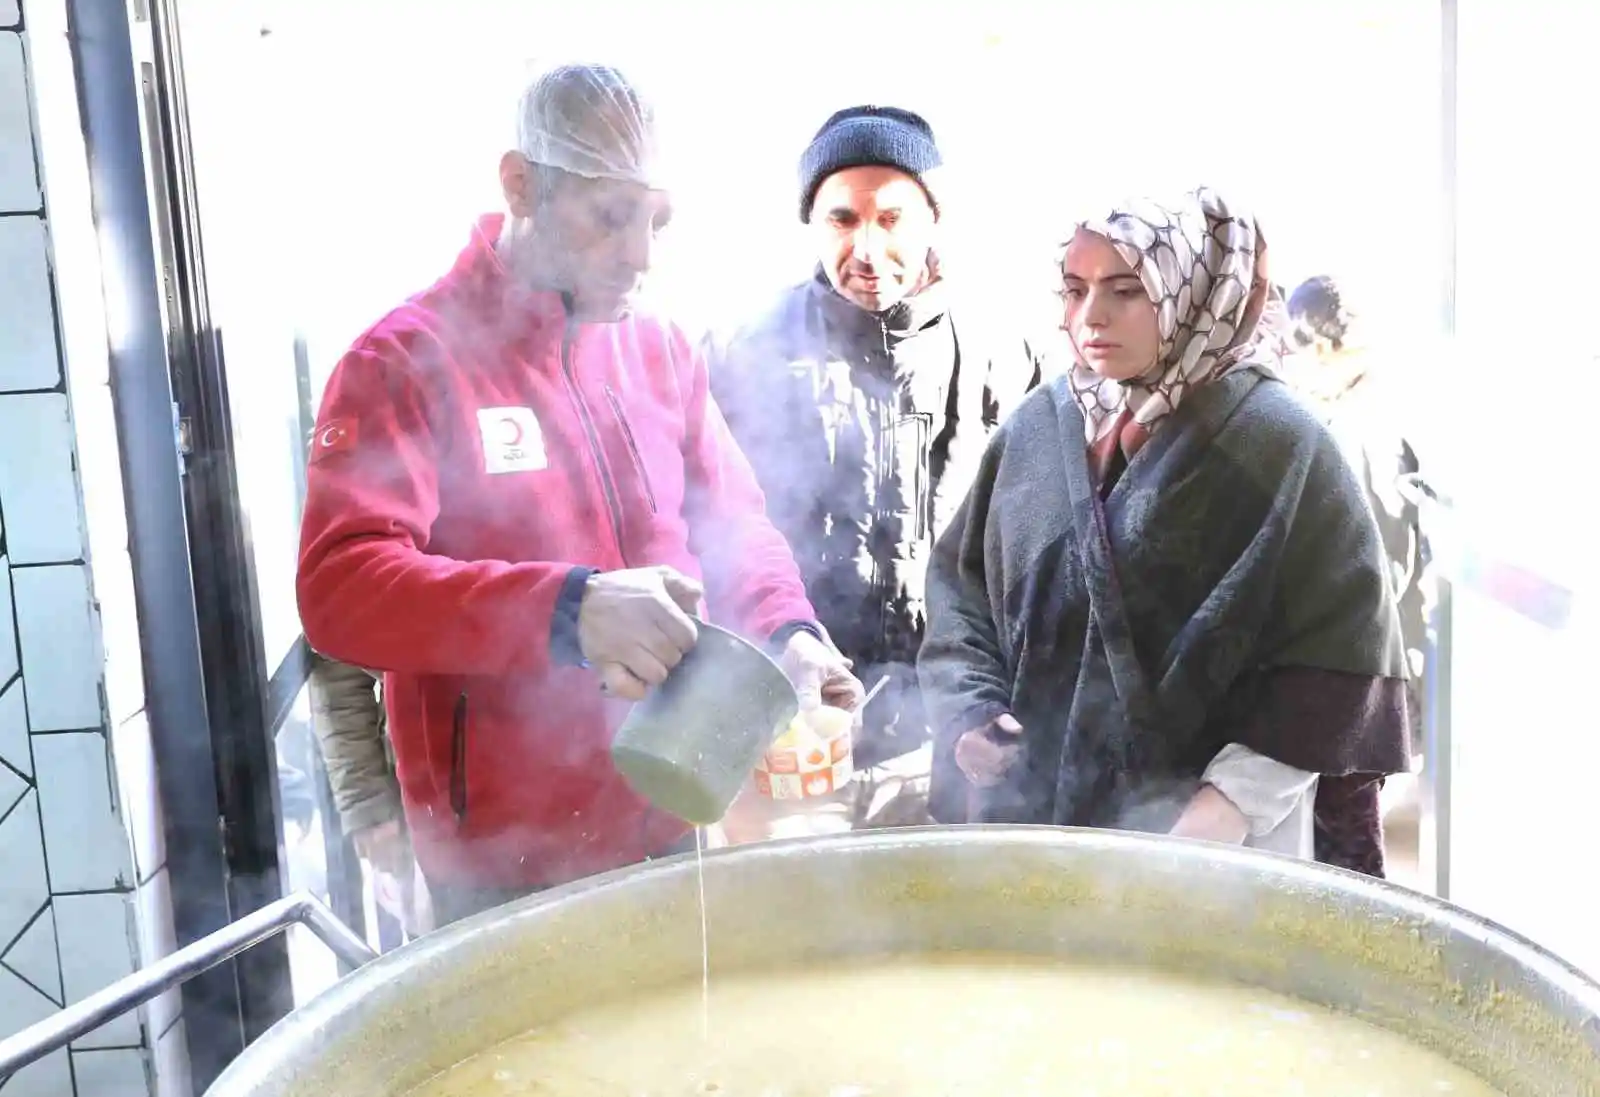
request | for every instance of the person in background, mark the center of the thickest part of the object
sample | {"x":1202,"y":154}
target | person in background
{"x":520,"y":495}
{"x":863,"y":397}
{"x":348,"y":717}
{"x":1164,"y":605}
{"x":355,"y":752}
{"x":1339,"y":381}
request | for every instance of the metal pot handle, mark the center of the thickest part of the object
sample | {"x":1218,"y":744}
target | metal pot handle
{"x":59,"y":1030}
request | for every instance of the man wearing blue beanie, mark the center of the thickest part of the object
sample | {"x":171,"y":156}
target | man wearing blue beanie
{"x":864,"y":399}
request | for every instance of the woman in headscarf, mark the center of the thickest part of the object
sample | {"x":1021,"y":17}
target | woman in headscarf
{"x":1164,"y":605}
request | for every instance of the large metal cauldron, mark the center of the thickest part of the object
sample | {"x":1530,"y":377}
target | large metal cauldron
{"x":1484,"y":997}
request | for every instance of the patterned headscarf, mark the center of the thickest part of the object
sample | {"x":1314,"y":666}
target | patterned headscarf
{"x":1204,"y":267}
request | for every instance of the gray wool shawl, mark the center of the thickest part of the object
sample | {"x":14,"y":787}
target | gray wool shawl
{"x":1229,"y":588}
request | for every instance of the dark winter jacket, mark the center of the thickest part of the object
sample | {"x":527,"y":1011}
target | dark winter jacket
{"x":865,"y":430}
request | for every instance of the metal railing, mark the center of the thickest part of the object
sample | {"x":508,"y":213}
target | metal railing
{"x":34,"y":1043}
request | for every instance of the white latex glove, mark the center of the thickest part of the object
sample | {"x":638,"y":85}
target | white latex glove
{"x":821,"y":676}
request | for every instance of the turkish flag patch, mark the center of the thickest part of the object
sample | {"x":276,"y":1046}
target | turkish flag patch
{"x":334,"y":436}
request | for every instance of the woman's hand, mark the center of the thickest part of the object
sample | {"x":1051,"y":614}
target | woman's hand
{"x":985,"y":754}
{"x":1212,"y":817}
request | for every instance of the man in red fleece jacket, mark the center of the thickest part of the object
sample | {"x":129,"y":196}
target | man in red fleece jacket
{"x":517,"y":487}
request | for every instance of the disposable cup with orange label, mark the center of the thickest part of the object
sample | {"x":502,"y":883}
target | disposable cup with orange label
{"x":811,"y":760}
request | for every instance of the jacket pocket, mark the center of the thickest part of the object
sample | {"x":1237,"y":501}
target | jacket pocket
{"x":458,"y":760}
{"x":633,"y":447}
{"x":911,"y":443}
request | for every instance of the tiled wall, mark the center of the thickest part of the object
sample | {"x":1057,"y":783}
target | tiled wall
{"x":84,"y":894}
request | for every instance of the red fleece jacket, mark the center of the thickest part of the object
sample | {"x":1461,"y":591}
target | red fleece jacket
{"x":476,"y":454}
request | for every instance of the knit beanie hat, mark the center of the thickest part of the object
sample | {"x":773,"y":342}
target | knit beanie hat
{"x":859,"y":137}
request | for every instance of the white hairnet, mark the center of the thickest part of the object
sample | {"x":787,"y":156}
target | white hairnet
{"x":589,"y":120}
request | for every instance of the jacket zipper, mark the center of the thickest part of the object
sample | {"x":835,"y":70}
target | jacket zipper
{"x":633,"y":446}
{"x":458,"y":760}
{"x":922,"y":475}
{"x":607,"y":485}
{"x":881,"y":438}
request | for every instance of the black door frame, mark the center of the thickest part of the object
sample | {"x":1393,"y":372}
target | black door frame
{"x":221,"y":560}
{"x":205,"y":687}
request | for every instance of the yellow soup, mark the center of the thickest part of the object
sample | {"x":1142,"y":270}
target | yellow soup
{"x":984,"y":1027}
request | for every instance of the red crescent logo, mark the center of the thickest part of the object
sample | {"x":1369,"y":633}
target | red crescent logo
{"x":331,"y":437}
{"x":510,"y":431}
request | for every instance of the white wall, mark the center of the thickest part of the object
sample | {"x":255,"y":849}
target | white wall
{"x":83,"y":890}
{"x":386,"y":123}
{"x":1517,"y":388}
